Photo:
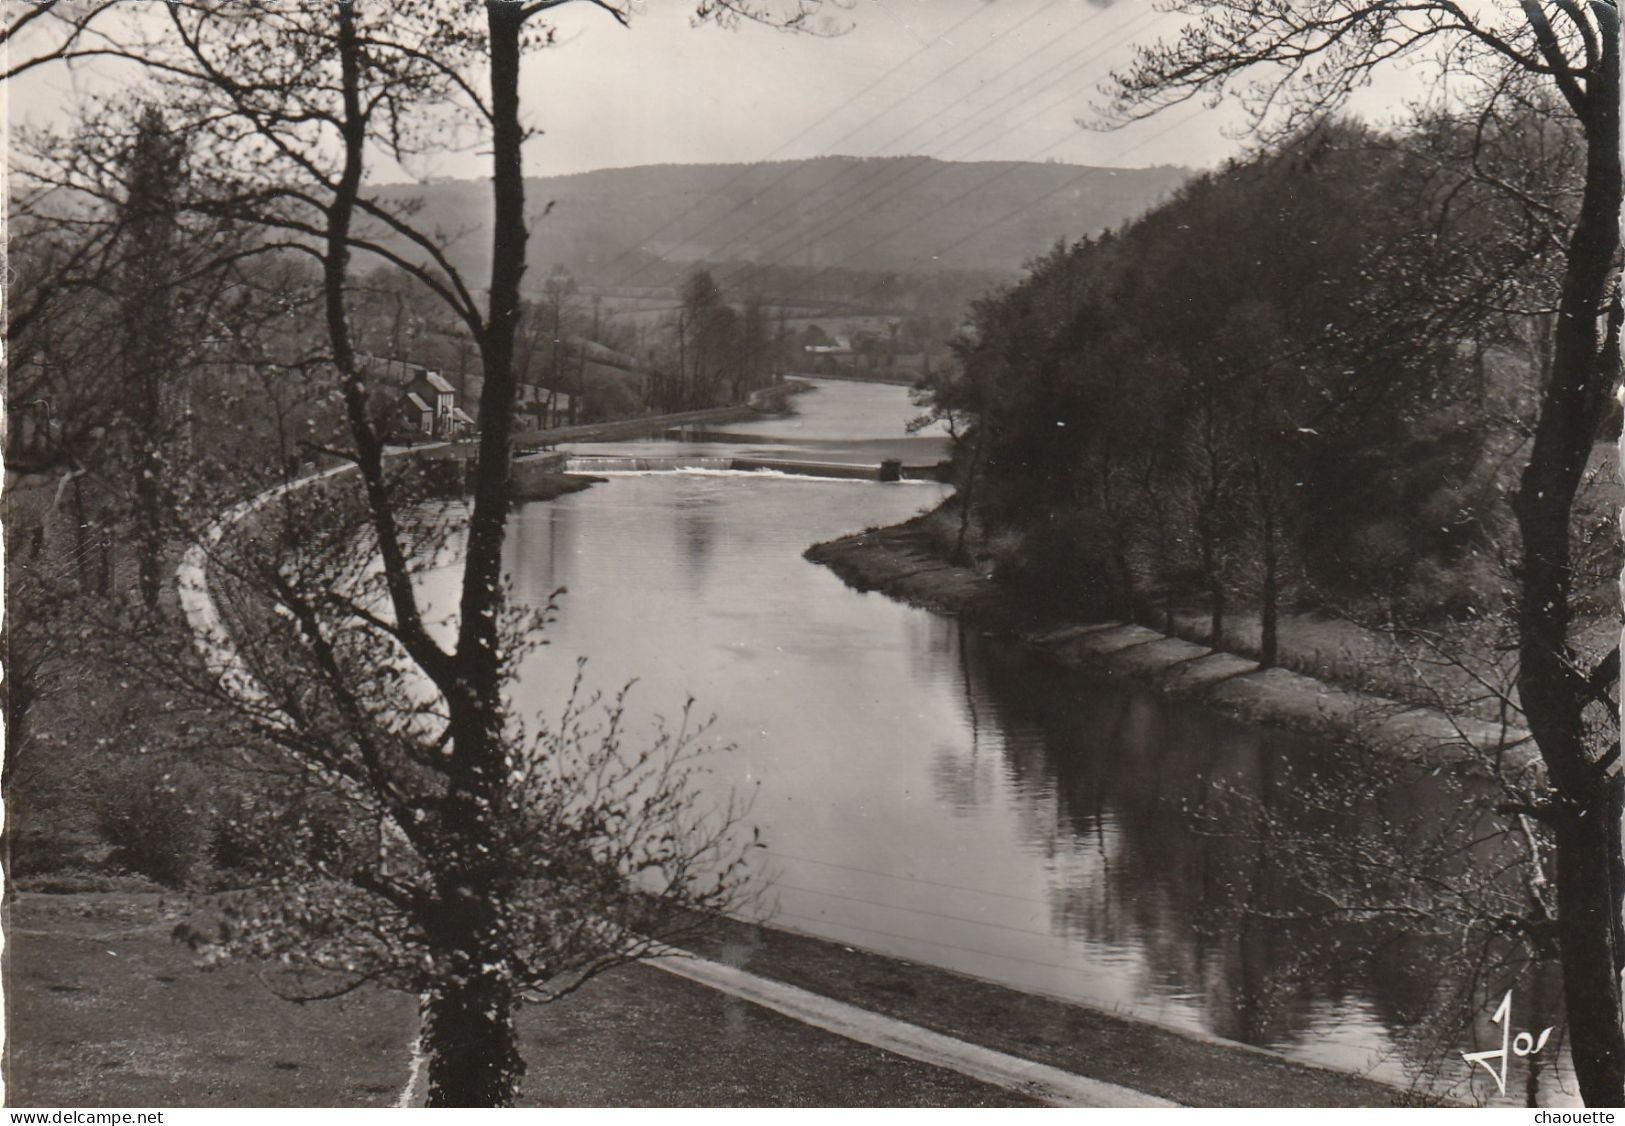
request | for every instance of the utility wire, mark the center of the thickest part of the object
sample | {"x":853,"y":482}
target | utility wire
{"x":975,"y":11}
{"x":864,"y":124}
{"x":900,"y":168}
{"x":896,"y":171}
{"x":1010,"y":214}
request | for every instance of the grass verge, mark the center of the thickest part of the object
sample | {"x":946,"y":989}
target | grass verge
{"x":103,"y":1008}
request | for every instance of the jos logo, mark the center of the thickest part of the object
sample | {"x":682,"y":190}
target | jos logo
{"x":1524,"y":1044}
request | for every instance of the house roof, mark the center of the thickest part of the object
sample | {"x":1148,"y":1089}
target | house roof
{"x":417,"y":401}
{"x":461,"y":415}
{"x":438,"y":382}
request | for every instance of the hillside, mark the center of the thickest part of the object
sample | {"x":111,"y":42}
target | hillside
{"x":641,"y":226}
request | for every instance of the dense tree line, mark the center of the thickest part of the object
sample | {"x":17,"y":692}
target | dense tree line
{"x":1288,"y":383}
{"x":716,"y":352}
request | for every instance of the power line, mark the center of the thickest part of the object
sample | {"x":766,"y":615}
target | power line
{"x":871,"y":119}
{"x":1047,"y":106}
{"x":897,"y":174}
{"x":1063,"y":186}
{"x":976,"y":121}
{"x":805,"y":238}
{"x":1010,"y":214}
{"x":743,"y":172}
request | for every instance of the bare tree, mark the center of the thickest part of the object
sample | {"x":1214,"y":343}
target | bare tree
{"x":151,"y":352}
{"x":1296,"y":61}
{"x":949,"y":400}
{"x":51,"y":32}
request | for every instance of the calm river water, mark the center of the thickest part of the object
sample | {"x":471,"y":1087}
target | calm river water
{"x":933,"y":794}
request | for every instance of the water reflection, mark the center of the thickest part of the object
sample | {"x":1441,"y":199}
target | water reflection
{"x":1157,"y":821}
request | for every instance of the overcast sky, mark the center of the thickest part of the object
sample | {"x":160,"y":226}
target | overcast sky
{"x":953,"y":79}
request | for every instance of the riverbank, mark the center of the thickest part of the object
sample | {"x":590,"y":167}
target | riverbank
{"x":551,"y":486}
{"x":905,"y":562}
{"x":542,"y":477}
{"x":119,"y":1014}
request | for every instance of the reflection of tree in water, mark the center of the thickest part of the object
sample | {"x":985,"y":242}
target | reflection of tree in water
{"x":964,"y":780}
{"x":536,"y":571}
{"x":695,"y":510}
{"x":1268,"y":881}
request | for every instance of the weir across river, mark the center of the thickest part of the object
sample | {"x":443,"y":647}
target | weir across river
{"x":887,"y":470}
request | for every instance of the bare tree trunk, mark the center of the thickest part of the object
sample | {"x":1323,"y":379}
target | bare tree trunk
{"x":682,"y":362}
{"x":1269,"y":558}
{"x":1207,"y":523}
{"x":1268,"y":641}
{"x":1215,"y":588}
{"x":581,"y":383}
{"x":473,"y":1055}
{"x":967,"y":497}
{"x":468,"y":1026}
{"x":1591,"y":992}
{"x":468,"y":1018}
{"x":150,"y":514}
{"x":1554,"y":695}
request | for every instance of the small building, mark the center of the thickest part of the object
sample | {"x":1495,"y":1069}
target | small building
{"x":426,"y":398}
{"x":840,"y":346}
{"x":543,"y":407}
{"x":832,"y":358}
{"x":419,"y":414}
{"x":432,"y":388}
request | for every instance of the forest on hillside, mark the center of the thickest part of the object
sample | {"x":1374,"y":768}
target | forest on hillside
{"x":1304,"y":382}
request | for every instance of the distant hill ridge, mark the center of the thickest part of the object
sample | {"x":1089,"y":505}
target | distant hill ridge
{"x":609,"y":227}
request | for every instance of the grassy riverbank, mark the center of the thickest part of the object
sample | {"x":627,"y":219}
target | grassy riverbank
{"x":104,"y":1007}
{"x":909,"y":562}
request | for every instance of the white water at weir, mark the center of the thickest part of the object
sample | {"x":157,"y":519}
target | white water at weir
{"x":606,"y":464}
{"x":652,"y":467}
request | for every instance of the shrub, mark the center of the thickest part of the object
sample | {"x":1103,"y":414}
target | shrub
{"x":264,"y":834}
{"x":155,"y":825}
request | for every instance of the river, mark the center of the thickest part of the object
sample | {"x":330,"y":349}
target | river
{"x":933,"y":794}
